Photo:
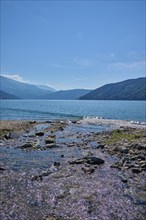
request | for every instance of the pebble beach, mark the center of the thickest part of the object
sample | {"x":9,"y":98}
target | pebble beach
{"x":76,"y":170}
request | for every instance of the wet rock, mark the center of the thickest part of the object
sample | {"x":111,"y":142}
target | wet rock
{"x":32,"y":122}
{"x":89,"y":160}
{"x":141,"y":157}
{"x":31,"y":135}
{"x":134,"y":145}
{"x":94,"y":160}
{"x":7,"y":136}
{"x":143,"y":165}
{"x":46,"y":173}
{"x":37,"y":178}
{"x":85,"y":147}
{"x":95,"y":145}
{"x":26,"y":145}
{"x":140,"y":147}
{"x":136,"y":170}
{"x":74,"y":122}
{"x":124,"y":180}
{"x":50,"y":139}
{"x":40,"y":133}
{"x":60,"y":128}
{"x":101,"y":146}
{"x":71,"y":145}
{"x":2,"y":169}
{"x":56,"y":164}
{"x":48,"y":122}
{"x":124,"y":150}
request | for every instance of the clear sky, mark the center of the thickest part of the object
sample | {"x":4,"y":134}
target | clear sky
{"x":73,"y":44}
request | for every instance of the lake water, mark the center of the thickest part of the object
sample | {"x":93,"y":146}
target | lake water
{"x":71,"y":109}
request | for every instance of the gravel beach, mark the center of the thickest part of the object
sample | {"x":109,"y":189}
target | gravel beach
{"x":77,"y":170}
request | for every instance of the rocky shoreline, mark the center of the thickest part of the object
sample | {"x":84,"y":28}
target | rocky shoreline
{"x":72,"y":170}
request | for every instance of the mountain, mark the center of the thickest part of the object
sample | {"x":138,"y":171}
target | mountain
{"x":68,"y":94}
{"x":131,"y":89}
{"x":46,"y":88}
{"x":23,"y":90}
{"x":5,"y":95}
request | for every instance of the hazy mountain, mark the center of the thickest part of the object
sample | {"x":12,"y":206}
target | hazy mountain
{"x":68,"y":94}
{"x":23,"y":90}
{"x":131,"y":89}
{"x":5,"y":95}
{"x":46,"y":88}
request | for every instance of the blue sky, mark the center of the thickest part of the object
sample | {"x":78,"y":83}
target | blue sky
{"x":73,"y":44}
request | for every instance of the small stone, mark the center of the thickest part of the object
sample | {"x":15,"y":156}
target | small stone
{"x":143,"y":166}
{"x":88,"y":170}
{"x":37,"y":178}
{"x":78,"y":161}
{"x":46,"y":173}
{"x":123,"y":150}
{"x":50,"y":140}
{"x":61,"y":128}
{"x":100,"y":146}
{"x":115,"y":165}
{"x":124,"y":180}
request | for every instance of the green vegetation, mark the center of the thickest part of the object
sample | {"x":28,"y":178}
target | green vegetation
{"x":119,"y":135}
{"x":3,"y":133}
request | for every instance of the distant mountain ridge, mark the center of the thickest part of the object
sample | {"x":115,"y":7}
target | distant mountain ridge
{"x":73,"y":94}
{"x":23,"y":90}
{"x":5,"y":95}
{"x":131,"y":89}
{"x":46,"y":88}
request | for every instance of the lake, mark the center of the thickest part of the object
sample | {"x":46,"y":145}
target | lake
{"x":71,"y":109}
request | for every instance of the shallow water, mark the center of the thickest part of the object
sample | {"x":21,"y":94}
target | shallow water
{"x":66,"y":192}
{"x":18,"y":159}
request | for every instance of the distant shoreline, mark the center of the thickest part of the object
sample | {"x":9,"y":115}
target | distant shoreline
{"x":114,"y":122}
{"x":23,"y":125}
